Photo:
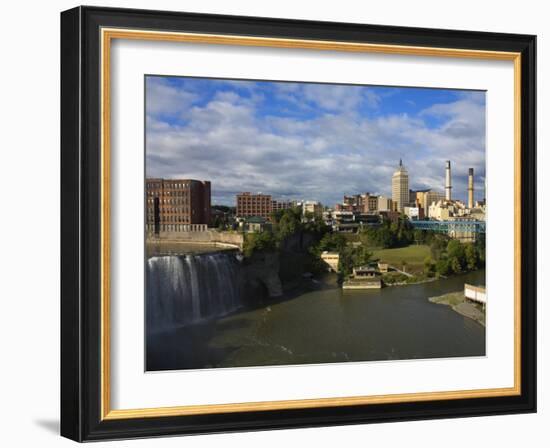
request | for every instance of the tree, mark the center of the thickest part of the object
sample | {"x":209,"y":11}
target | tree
{"x":429,"y":266}
{"x":472,"y":258}
{"x":383,"y":236}
{"x":455,"y":265}
{"x":287,"y":223}
{"x":419,"y":236}
{"x":456,"y":255}
{"x":361,"y":256}
{"x":442,"y":266}
{"x":345,"y":261}
{"x":352,"y":257}
{"x":332,"y":242}
{"x":259,"y":242}
{"x":316,"y":226}
{"x":438,"y":247}
{"x":480,"y":249}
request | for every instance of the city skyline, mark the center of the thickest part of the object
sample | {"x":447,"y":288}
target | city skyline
{"x":311,"y":141}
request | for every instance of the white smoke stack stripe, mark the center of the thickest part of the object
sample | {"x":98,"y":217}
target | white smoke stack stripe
{"x":448,"y":185}
{"x":471,"y":188}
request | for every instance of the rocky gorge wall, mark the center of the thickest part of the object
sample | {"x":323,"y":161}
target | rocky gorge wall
{"x":261,"y":276}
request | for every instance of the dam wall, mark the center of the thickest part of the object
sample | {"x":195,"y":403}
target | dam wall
{"x":200,"y":237}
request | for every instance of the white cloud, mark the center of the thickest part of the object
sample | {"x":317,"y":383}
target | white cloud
{"x":323,"y":157}
{"x":163,"y":99}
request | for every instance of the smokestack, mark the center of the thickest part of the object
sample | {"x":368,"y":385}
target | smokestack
{"x":470,"y":188}
{"x":448,"y":186}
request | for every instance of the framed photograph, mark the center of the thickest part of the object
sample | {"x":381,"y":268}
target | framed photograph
{"x":273,"y":223}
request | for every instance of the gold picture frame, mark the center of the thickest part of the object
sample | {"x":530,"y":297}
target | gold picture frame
{"x":108,"y":30}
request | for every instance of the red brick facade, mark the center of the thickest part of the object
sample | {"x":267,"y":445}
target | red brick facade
{"x":174,"y":204}
{"x":249,"y":204}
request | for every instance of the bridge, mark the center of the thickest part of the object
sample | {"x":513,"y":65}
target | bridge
{"x":450,"y":226}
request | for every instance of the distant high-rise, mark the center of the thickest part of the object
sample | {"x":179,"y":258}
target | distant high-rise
{"x":471,"y":188}
{"x":400,"y":187}
{"x":448,"y":186}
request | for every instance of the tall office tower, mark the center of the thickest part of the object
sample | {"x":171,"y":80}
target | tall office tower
{"x":400,"y":187}
{"x":470,"y":188}
{"x":448,"y":186}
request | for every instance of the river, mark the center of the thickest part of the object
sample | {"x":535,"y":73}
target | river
{"x":315,"y":323}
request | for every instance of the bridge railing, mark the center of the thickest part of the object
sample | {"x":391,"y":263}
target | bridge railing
{"x":447,"y":226}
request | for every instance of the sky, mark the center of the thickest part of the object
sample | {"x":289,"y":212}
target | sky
{"x":311,"y":141}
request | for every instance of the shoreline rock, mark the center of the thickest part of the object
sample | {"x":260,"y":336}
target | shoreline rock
{"x":460,"y":305}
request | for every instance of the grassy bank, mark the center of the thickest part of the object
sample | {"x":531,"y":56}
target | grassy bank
{"x":462,"y":306}
{"x":413,"y":256}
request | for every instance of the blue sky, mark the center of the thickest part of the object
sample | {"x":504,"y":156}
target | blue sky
{"x":311,"y":141}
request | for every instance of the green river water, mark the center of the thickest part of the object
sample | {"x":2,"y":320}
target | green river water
{"x":320,"y":323}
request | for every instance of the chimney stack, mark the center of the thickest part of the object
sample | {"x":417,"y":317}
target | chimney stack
{"x":470,"y":188}
{"x":448,"y":186}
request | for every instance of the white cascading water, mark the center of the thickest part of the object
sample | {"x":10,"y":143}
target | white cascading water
{"x":183,"y":289}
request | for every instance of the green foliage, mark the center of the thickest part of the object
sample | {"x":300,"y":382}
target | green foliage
{"x":419,"y":236}
{"x":287,"y":222}
{"x":332,"y":242}
{"x":457,"y":257}
{"x":455,"y":249}
{"x":351,"y":257}
{"x":480,"y":249}
{"x":259,"y":242}
{"x":389,"y":234}
{"x":361,"y":256}
{"x":300,"y":242}
{"x":438,"y":245}
{"x":429,"y":267}
{"x":295,"y":241}
{"x":471,"y":257}
{"x":394,"y":277}
{"x":316,"y":226}
{"x":455,"y":265}
{"x":442,"y":266}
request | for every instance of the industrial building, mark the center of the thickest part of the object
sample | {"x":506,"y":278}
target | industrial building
{"x":249,"y":205}
{"x":174,"y":205}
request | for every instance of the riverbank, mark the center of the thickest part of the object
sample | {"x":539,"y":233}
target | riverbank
{"x":461,"y":305}
{"x":413,"y":281}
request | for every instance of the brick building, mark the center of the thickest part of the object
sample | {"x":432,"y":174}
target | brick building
{"x":359,"y":203}
{"x":249,"y":205}
{"x":281,"y":205}
{"x":175,"y":205}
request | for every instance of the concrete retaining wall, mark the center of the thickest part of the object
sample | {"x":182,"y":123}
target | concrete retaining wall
{"x":208,"y":236}
{"x":475,"y":293}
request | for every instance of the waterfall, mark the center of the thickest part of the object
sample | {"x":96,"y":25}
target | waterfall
{"x":182,"y":289}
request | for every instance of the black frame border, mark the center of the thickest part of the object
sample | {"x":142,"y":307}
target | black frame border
{"x":81,"y":223}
